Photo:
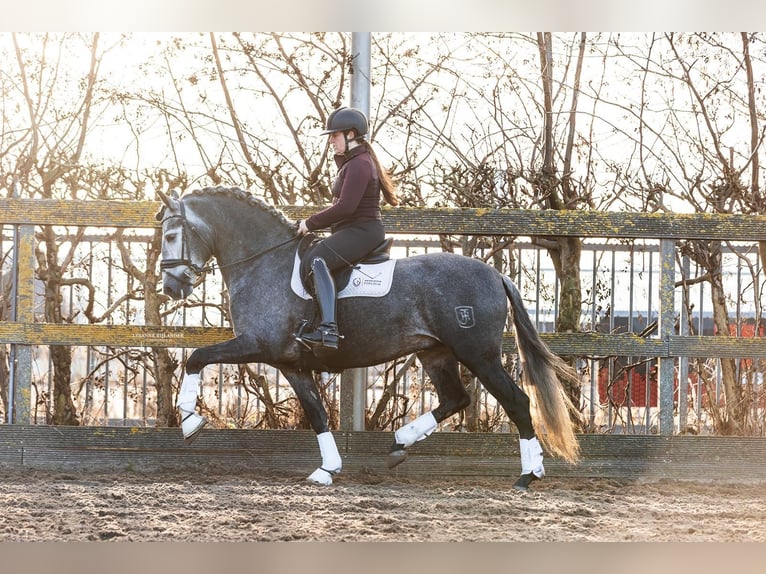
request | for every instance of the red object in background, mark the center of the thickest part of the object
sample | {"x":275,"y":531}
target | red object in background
{"x":617,"y":394}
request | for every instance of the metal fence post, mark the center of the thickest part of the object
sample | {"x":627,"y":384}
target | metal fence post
{"x":666,"y":330}
{"x":353,"y":399}
{"x":683,"y":362}
{"x":353,"y":385}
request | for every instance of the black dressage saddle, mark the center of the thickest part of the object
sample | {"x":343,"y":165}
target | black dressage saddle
{"x":380,"y":254}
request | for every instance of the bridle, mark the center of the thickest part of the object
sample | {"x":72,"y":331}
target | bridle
{"x":185,"y":260}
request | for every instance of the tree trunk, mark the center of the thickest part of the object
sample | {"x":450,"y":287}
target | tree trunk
{"x":566,"y":260}
{"x":164,"y":368}
{"x":5,"y":377}
{"x":4,"y":380}
{"x":732,"y":420}
{"x":472,"y":412}
{"x":64,"y":412}
{"x":62,"y":405}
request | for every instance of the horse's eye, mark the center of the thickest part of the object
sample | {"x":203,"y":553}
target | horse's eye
{"x":171,"y":236}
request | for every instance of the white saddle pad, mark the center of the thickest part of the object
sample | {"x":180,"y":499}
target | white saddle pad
{"x":367,"y":280}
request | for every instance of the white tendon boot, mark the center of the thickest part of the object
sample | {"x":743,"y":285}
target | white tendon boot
{"x":531,"y":457}
{"x":417,"y":430}
{"x":191,"y":422}
{"x":331,"y":461}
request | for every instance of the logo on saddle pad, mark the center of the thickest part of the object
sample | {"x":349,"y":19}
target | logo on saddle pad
{"x":366,"y":280}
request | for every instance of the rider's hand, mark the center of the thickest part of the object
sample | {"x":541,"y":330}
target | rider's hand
{"x":302,"y":229}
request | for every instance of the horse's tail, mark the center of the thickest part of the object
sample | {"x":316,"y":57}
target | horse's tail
{"x":550,"y":406}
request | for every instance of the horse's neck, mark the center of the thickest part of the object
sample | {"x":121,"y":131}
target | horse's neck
{"x":247,"y":238}
{"x":270,"y":259}
{"x":258,"y":289}
{"x":267,"y":263}
{"x":245,"y":234}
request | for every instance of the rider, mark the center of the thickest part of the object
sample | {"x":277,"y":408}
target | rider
{"x":354,"y":217}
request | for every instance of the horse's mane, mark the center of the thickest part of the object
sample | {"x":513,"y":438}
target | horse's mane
{"x":247,"y":197}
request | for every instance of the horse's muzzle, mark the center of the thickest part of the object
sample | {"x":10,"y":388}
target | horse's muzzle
{"x":174,"y":288}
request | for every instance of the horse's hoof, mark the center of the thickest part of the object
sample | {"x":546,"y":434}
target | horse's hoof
{"x":397,"y":455}
{"x":322,"y":477}
{"x":522,"y":484}
{"x":191,"y":426}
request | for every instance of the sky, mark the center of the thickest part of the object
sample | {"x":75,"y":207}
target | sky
{"x":392,"y":15}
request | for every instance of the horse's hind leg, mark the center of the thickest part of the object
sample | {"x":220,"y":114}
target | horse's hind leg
{"x":442,"y":368}
{"x":515,"y":403}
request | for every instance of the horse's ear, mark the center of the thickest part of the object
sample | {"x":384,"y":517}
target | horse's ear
{"x":167,"y":201}
{"x":163,"y":197}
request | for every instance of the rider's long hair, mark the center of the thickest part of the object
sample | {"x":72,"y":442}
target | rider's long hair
{"x":387,"y":185}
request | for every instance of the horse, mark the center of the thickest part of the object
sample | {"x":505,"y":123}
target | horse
{"x":446,"y":308}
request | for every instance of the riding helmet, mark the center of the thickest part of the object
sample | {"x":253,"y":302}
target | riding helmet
{"x":344,"y":119}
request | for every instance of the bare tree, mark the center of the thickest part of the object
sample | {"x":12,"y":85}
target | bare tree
{"x":164,"y":365}
{"x":560,"y":191}
{"x":516,"y":146}
{"x":699,"y":144}
{"x":61,"y":102}
{"x":52,"y":158}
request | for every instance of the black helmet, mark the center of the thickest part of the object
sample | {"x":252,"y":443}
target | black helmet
{"x":344,"y":119}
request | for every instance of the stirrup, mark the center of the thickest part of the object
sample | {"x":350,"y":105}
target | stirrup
{"x":323,"y":336}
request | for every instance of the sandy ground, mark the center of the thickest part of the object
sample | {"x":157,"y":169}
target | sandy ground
{"x":58,"y":506}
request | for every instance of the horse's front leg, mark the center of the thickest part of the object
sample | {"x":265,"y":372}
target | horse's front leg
{"x":305,"y":389}
{"x":234,"y":351}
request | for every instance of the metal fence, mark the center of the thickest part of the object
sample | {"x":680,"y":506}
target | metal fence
{"x":621,"y":293}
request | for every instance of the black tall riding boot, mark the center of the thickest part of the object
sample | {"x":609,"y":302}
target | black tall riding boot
{"x":326,"y":334}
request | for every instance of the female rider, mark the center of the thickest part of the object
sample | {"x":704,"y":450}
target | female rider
{"x":353,"y":218}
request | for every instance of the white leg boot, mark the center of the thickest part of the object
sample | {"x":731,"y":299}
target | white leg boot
{"x":191,"y":422}
{"x":417,"y":430}
{"x":331,"y":461}
{"x":531,"y":457}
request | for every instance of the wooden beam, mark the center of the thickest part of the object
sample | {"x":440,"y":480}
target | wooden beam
{"x":431,"y":221}
{"x":111,"y":335}
{"x":443,"y":455}
{"x":575,"y":344}
{"x":92,"y":213}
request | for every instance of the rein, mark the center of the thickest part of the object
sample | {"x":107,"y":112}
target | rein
{"x":259,"y":254}
{"x":196,"y":269}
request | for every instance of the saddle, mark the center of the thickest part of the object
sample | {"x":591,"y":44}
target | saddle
{"x":370,"y":276}
{"x":379,"y":254}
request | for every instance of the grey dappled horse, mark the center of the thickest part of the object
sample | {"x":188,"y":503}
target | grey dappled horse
{"x":445,"y":308}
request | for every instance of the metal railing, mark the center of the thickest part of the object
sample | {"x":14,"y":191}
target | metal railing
{"x":635,"y":279}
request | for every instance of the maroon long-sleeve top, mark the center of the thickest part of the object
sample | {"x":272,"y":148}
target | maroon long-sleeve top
{"x":355,"y":193}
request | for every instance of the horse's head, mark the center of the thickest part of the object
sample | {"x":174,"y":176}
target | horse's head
{"x":185,"y":249}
